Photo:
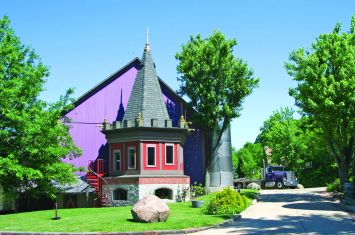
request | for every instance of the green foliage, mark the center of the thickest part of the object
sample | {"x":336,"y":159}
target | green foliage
{"x":198,"y":189}
{"x":250,"y":193}
{"x":33,"y":140}
{"x":213,"y":78}
{"x":334,"y":186}
{"x":226,"y":202}
{"x":235,"y":163}
{"x":250,"y":159}
{"x":299,"y":145}
{"x":216,"y":83}
{"x":326,"y":90}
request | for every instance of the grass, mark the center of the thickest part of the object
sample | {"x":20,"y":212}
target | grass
{"x":112,"y":219}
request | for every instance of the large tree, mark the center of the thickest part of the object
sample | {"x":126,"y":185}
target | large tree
{"x":250,"y":160}
{"x":299,"y":145}
{"x":216,"y":83}
{"x":33,"y":137}
{"x":326,"y":90}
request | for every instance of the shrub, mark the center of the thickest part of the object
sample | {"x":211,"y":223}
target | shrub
{"x":226,"y":202}
{"x":250,"y":193}
{"x":334,"y":186}
{"x":198,"y":190}
{"x":246,"y":201}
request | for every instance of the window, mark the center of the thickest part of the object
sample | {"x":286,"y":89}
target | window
{"x":120,"y":194}
{"x":164,"y":193}
{"x":131,"y":158}
{"x":117,"y":159}
{"x":277,"y":168}
{"x":169,"y":154}
{"x":151,"y":155}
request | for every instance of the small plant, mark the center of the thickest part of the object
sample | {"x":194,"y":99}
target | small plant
{"x":334,"y":186}
{"x":226,"y":202}
{"x":182,"y":193}
{"x":198,"y":189}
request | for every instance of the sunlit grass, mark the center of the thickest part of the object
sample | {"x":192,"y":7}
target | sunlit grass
{"x":113,"y":219}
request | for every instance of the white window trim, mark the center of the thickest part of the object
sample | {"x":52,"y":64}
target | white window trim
{"x":170,"y":164}
{"x":115,"y":159}
{"x":135,"y":158}
{"x":155,"y":154}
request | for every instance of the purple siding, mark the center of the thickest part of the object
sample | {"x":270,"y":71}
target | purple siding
{"x":102,"y":104}
{"x":104,"y":101}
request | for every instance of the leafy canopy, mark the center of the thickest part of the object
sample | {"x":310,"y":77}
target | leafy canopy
{"x":299,"y":145}
{"x":326,"y":89}
{"x":33,"y":139}
{"x":214,"y":79}
{"x":249,"y":160}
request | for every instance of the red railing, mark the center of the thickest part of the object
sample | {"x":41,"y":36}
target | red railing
{"x":95,"y":179}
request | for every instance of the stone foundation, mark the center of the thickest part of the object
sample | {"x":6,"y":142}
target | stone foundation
{"x":135,"y":192}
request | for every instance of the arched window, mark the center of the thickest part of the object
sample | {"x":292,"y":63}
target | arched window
{"x":120,"y":194}
{"x":164,"y":193}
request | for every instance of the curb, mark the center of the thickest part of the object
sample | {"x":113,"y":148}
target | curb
{"x":156,"y":232}
{"x":341,"y":205}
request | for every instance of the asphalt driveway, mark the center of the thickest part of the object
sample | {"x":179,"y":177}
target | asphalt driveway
{"x":290,"y":212}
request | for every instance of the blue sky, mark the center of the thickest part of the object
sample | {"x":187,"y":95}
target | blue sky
{"x":83,"y":42}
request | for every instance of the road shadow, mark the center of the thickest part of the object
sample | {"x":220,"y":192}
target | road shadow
{"x":318,"y":206}
{"x":305,"y":224}
{"x":290,"y":197}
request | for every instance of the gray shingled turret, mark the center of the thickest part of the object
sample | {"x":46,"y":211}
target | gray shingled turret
{"x":146,"y":97}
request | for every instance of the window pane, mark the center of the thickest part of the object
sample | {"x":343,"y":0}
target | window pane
{"x":132,"y":158}
{"x":169,"y":154}
{"x":118,"y":160}
{"x":151,"y":156}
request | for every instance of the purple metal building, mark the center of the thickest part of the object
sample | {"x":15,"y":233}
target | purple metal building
{"x":109,"y":100}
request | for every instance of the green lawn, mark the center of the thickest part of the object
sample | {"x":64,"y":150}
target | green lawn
{"x":113,"y":219}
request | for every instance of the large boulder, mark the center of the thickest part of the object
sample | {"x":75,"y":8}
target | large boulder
{"x":253,"y":186}
{"x":150,"y":209}
{"x":300,"y":186}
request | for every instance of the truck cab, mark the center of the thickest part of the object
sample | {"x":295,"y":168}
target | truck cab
{"x":276,"y":176}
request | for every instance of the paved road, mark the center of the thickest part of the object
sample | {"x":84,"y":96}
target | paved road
{"x":290,"y":212}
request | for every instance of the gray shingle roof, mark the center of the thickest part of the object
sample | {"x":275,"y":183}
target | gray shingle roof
{"x":79,"y":186}
{"x":146,"y":96}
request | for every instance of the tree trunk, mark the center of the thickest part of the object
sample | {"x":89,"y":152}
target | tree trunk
{"x":343,"y":170}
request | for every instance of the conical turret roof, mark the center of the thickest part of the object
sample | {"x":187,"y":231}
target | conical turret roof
{"x":146,"y":100}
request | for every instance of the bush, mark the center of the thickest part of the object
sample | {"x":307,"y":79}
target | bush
{"x":334,"y":186}
{"x":226,"y":202}
{"x":250,"y":193}
{"x":198,"y":190}
{"x":246,"y":201}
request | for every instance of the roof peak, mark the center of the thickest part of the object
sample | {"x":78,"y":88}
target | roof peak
{"x":146,"y":102}
{"x":147,"y":48}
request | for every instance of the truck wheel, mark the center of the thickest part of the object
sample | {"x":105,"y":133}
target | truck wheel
{"x":279,"y":184}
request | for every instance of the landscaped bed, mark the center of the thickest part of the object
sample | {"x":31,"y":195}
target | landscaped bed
{"x":113,"y":219}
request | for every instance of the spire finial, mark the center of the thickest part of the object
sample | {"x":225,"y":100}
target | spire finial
{"x":147,"y":48}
